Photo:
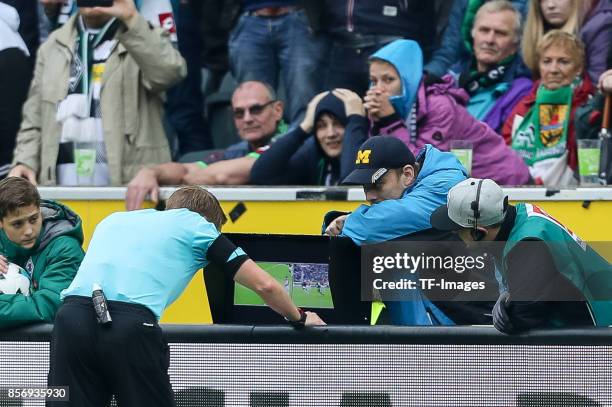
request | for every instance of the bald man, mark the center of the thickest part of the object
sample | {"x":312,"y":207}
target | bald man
{"x":256,"y":113}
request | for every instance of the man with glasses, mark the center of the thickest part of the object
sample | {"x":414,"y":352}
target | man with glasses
{"x":257,"y":114}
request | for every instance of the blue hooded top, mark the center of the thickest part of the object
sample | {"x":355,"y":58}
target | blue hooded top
{"x":394,"y":218}
{"x":407,"y":59}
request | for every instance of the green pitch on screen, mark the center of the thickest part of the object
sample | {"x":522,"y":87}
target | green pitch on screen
{"x":310,"y":298}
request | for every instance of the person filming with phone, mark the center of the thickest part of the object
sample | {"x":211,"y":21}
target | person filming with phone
{"x":95,"y":103}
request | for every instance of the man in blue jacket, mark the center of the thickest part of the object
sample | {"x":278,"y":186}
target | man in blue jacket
{"x":403,"y":191}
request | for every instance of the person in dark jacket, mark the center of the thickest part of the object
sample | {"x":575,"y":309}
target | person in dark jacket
{"x":15,"y":76}
{"x":42,"y":237}
{"x":358,"y":28}
{"x":314,"y":153}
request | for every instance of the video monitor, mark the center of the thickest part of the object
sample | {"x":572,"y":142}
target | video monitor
{"x":299,"y":263}
{"x":306,"y":283}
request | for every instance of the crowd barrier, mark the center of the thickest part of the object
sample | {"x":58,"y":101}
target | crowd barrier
{"x":230,"y":365}
{"x":300,"y":210}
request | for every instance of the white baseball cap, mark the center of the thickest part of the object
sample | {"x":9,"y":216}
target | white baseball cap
{"x":473,"y":202}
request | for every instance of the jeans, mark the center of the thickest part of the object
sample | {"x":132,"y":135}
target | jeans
{"x":279,"y":49}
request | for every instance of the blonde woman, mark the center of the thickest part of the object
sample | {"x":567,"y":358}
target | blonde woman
{"x":542,"y":16}
{"x":541,"y":126}
{"x":590,"y":20}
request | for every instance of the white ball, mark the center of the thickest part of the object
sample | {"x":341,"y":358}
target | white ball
{"x":15,"y":281}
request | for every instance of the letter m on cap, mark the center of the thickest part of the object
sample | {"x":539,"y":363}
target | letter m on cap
{"x":363,"y":157}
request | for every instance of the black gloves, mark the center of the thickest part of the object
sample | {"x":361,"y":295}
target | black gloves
{"x":501,"y":319}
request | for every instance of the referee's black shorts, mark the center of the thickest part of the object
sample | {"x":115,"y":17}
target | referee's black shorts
{"x":129,"y":358}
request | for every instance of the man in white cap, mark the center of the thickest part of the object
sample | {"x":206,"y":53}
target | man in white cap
{"x":553,"y":278}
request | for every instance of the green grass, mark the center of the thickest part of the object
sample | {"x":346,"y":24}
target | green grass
{"x":310,"y":299}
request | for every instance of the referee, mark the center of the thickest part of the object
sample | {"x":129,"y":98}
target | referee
{"x":143,"y":260}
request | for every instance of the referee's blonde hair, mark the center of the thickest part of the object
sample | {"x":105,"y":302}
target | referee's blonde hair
{"x":199,"y":200}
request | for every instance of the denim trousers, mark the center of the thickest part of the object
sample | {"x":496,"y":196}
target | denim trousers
{"x":279,"y":50}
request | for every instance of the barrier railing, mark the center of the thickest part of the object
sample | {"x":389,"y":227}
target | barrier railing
{"x":344,"y":334}
{"x":230,"y":365}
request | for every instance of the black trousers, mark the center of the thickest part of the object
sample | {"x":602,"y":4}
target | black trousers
{"x":128,"y":359}
{"x":15,"y":75}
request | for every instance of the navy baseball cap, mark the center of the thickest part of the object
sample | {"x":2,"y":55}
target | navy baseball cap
{"x":376,"y":157}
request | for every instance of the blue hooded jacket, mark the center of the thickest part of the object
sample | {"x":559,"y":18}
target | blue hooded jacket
{"x":395,"y":218}
{"x":400,"y":217}
{"x":407,"y":59}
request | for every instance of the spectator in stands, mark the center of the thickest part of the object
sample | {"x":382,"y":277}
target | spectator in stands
{"x":541,"y":126}
{"x":118,"y":112}
{"x":273,"y":43}
{"x":402,"y":191}
{"x":28,"y":27}
{"x":359,"y":28}
{"x":596,"y":34}
{"x":569,"y":16}
{"x":185,"y":102}
{"x":15,"y":76}
{"x":257,"y":114}
{"x":554,"y":279}
{"x":42,"y":237}
{"x":401,"y":103}
{"x":158,"y":13}
{"x":489,"y":76}
{"x":314,"y":153}
{"x":216,"y":20}
{"x":454,"y":47}
{"x":141,"y":272}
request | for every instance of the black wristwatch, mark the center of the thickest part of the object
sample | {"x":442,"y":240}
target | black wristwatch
{"x":300,"y":323}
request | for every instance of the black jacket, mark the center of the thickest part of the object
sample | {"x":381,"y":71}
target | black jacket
{"x":412,"y":19}
{"x":297,"y":159}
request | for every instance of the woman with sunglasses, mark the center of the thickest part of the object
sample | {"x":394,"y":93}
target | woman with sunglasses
{"x":313,"y":153}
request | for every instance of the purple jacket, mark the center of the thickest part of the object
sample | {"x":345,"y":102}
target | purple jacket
{"x":442,"y":117}
{"x":596,"y":33}
{"x":503,"y":106}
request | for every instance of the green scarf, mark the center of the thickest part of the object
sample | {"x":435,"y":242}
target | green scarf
{"x":86,"y":44}
{"x":543,"y":133}
{"x":472,"y":81}
{"x":468,"y":21}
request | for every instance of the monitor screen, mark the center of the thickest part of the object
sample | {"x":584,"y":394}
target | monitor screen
{"x":300,"y":263}
{"x":306,"y":283}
